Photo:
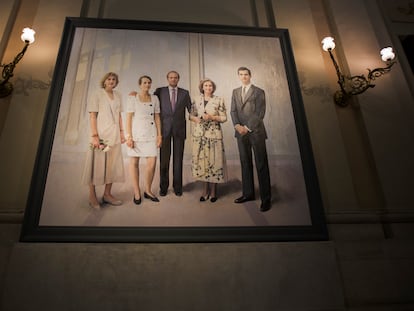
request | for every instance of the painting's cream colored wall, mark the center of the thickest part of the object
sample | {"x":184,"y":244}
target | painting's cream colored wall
{"x":386,"y":111}
{"x":26,"y":106}
{"x":327,"y":142}
{"x":229,"y":12}
{"x":370,"y":166}
{"x":6,"y":16}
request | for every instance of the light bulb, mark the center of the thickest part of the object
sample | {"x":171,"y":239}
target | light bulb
{"x":328,"y":44}
{"x":28,"y":35}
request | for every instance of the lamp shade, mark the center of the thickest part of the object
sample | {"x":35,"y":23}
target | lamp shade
{"x":28,"y":35}
{"x":328,"y":43}
{"x":387,"y":54}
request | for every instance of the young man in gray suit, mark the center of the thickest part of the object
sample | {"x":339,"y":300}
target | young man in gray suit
{"x":173,"y":103}
{"x":248,"y":107}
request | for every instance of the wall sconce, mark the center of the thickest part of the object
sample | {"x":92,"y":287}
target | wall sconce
{"x":356,"y":84}
{"x":5,"y":86}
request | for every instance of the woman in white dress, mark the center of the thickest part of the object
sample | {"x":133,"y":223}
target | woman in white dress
{"x":143,"y":127}
{"x":104,"y":164}
{"x":208,"y":159}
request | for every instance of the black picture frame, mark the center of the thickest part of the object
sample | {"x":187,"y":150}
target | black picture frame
{"x":34,"y":231}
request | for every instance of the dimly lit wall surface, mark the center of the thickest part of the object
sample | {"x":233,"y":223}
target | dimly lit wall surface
{"x":364,"y":157}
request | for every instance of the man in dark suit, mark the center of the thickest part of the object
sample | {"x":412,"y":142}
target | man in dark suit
{"x":173,"y":103}
{"x":248,"y":107}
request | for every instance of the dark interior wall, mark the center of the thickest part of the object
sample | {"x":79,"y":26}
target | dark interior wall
{"x":366,"y":265}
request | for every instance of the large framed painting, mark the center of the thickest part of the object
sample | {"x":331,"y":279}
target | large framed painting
{"x":58,"y":206}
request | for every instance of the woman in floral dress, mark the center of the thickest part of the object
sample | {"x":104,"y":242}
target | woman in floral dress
{"x":208,"y":156}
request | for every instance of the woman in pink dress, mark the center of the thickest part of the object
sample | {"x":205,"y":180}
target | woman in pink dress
{"x":104,"y":163}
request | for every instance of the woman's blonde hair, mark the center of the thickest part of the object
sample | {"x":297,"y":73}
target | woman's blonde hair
{"x":106,"y":76}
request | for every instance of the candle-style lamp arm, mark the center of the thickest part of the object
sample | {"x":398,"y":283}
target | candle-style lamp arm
{"x":5,"y":86}
{"x":8,"y":69}
{"x":378,"y":72}
{"x":355,"y":85}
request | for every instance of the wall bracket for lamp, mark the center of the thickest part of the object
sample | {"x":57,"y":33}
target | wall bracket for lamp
{"x":355,"y":85}
{"x":6,"y":87}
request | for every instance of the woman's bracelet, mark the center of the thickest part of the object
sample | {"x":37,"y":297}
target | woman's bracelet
{"x":95,"y":135}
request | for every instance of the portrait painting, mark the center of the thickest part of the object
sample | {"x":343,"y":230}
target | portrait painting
{"x":58,"y":206}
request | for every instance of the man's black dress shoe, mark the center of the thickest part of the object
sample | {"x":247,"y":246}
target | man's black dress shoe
{"x":163,"y":193}
{"x":137,"y":202}
{"x":178,"y":193}
{"x":153,"y":199}
{"x":265,"y":206}
{"x":243,"y":199}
